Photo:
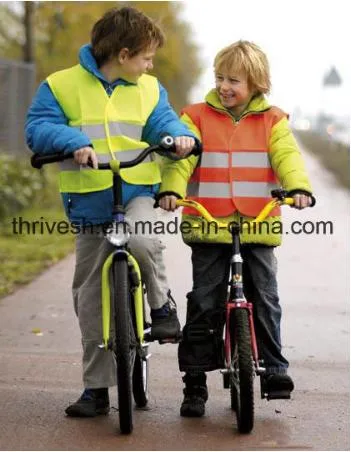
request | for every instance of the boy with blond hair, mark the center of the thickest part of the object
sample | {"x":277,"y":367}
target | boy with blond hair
{"x":107,"y":107}
{"x":248,"y":149}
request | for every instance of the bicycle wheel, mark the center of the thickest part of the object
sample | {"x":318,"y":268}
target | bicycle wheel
{"x":242,"y":371}
{"x":140,"y":378}
{"x":125,"y":344}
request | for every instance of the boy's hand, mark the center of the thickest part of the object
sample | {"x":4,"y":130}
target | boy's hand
{"x":83,"y":155}
{"x":184,"y":145}
{"x":301,"y":201}
{"x":168,"y":202}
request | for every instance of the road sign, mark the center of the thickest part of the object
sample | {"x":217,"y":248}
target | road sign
{"x":332,"y":78}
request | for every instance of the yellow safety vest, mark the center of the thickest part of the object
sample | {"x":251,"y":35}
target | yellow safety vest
{"x":113,"y":124}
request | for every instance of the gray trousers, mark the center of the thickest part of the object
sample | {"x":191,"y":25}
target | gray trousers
{"x":92,"y":249}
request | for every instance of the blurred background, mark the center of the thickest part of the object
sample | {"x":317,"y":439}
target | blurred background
{"x":305,"y":42}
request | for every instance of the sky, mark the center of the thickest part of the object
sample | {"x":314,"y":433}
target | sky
{"x":303,"y":39}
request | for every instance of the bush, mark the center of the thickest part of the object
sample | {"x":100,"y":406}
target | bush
{"x":32,"y":194}
{"x":20,"y":184}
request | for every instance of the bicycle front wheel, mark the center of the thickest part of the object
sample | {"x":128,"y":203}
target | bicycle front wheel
{"x":140,"y":378}
{"x":242,"y":371}
{"x":125,"y":343}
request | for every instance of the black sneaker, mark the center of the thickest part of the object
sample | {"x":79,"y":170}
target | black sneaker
{"x":91,"y":403}
{"x":165,"y":323}
{"x":195,"y":396}
{"x":276,"y":386}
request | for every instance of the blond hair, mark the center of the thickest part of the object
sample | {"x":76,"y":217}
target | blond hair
{"x":245,"y":57}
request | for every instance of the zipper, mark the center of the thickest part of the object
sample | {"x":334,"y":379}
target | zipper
{"x":69,"y":205}
{"x":109,"y":90}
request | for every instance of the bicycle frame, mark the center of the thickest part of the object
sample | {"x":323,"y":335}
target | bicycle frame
{"x":237,"y":300}
{"x":131,"y":343}
{"x":118,"y":214}
{"x":241,"y":358}
{"x":236,"y":297}
{"x":119,"y":219}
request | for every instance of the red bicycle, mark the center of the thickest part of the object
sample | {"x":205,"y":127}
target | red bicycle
{"x":242,"y":360}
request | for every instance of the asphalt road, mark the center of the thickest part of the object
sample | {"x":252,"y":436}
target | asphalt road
{"x":40,"y":372}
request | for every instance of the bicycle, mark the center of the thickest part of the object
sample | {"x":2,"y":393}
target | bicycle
{"x":241,"y":357}
{"x":132,"y":333}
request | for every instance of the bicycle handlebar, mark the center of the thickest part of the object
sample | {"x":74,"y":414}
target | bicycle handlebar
{"x":279,"y":198}
{"x":166,"y":144}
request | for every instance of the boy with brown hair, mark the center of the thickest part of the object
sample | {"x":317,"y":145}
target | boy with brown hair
{"x":104,"y":108}
{"x":248,"y":149}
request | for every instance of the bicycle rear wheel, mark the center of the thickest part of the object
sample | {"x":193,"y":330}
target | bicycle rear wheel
{"x":125,"y":343}
{"x":242,"y":371}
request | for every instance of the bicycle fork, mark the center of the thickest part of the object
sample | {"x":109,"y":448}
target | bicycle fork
{"x":241,"y":304}
{"x":137,"y":298}
{"x":237,"y":300}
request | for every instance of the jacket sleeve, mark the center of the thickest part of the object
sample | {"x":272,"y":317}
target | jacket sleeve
{"x":164,"y":120}
{"x":176,"y":174}
{"x":46,"y":127}
{"x":286,"y":158}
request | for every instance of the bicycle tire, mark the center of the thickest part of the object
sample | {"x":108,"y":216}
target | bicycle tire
{"x":141,"y":379}
{"x":124,"y":344}
{"x":242,"y":376}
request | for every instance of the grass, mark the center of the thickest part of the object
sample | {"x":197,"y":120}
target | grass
{"x":334,"y":156}
{"x":25,"y":255}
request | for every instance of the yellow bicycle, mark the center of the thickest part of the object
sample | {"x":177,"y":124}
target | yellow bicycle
{"x":130,"y":344}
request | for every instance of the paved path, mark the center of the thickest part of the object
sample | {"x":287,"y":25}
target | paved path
{"x":40,"y":374}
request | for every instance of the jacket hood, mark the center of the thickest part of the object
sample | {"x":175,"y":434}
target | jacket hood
{"x":87,"y":60}
{"x":257,"y":104}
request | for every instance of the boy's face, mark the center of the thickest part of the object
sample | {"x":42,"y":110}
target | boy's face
{"x":134,"y":67}
{"x":233,"y":90}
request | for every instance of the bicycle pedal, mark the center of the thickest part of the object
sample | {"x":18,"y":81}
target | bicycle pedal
{"x":148,"y":337}
{"x":274,"y":395}
{"x":260,"y":370}
{"x":170,"y":340}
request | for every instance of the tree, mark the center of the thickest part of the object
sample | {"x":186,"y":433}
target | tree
{"x":61,"y":28}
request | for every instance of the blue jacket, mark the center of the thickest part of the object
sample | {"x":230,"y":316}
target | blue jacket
{"x":47,"y":132}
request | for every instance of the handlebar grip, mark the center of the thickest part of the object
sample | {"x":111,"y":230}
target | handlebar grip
{"x":167,"y":143}
{"x":37,"y":160}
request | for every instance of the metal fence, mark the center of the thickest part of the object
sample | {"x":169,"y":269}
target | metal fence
{"x":17,"y":85}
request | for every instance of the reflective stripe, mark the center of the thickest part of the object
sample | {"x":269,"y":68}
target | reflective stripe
{"x":222,"y":190}
{"x":214,"y":160}
{"x":97,"y":131}
{"x":239,"y":160}
{"x":129,"y":130}
{"x":122,"y":156}
{"x":71,"y":165}
{"x":93,"y":131}
{"x":250,"y":160}
{"x":209,"y":189}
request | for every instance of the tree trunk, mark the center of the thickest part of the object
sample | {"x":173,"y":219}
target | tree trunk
{"x":28,"y":47}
